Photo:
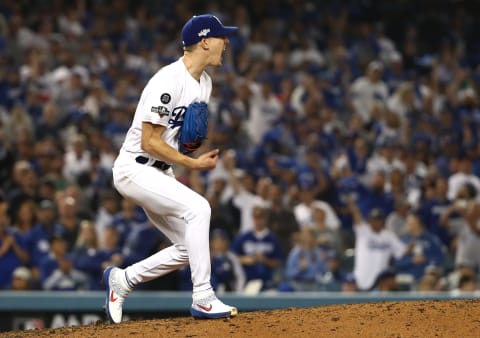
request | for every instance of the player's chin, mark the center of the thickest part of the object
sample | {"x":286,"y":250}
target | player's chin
{"x":218,"y":62}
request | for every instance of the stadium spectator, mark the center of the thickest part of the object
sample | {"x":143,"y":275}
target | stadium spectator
{"x":396,"y":184}
{"x":375,"y":197}
{"x":219,"y":196}
{"x":69,"y":220}
{"x":348,"y":187}
{"x":87,"y":256}
{"x":21,"y":279}
{"x":259,"y":250}
{"x":326,"y":236}
{"x":24,"y":217}
{"x":396,"y":220}
{"x":126,"y":219}
{"x":427,"y":283}
{"x":107,"y":210}
{"x":309,"y":190}
{"x":386,"y":281}
{"x":454,"y":219}
{"x":385,"y":156}
{"x":401,"y":103}
{"x":461,"y":175}
{"x":38,"y":240}
{"x":46,"y":189}
{"x":112,"y":252}
{"x":48,"y":125}
{"x":94,"y":181}
{"x":466,"y":284}
{"x":333,"y":279}
{"x":13,"y":252}
{"x":56,"y":270}
{"x":432,"y":206}
{"x":265,"y":109}
{"x":305,"y":263}
{"x":282,"y":221}
{"x":23,"y":183}
{"x":349,"y":283}
{"x":77,"y":158}
{"x":369,"y":92}
{"x":245,"y":196}
{"x":227,"y":271}
{"x":423,"y":249}
{"x":468,"y":246}
{"x":358,"y":155}
{"x":374,"y":247}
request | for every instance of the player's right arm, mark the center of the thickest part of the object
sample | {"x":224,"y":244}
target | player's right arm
{"x":153,"y":143}
{"x":229,"y":162}
{"x":355,"y":212}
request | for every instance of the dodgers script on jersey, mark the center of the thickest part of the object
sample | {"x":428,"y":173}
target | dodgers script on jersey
{"x":373,"y":252}
{"x":164,"y":101}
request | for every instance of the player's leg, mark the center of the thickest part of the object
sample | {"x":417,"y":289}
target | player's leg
{"x":121,"y":282}
{"x":179,"y":212}
{"x":166,"y":260}
{"x":153,"y":190}
{"x":204,"y":301}
{"x":205,"y":304}
{"x":186,"y":223}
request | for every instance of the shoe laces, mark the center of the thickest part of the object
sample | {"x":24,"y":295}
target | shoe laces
{"x":117,"y":287}
{"x":204,"y":301}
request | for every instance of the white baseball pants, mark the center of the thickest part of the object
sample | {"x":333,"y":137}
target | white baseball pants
{"x":178,"y":212}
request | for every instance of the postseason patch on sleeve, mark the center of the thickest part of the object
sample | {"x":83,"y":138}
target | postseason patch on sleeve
{"x":160,"y":110}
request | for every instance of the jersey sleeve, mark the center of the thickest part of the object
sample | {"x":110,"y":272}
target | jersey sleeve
{"x":398,"y":247}
{"x":158,"y":101}
{"x":361,"y":229}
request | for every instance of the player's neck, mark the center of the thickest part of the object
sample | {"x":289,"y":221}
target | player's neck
{"x":195,"y":66}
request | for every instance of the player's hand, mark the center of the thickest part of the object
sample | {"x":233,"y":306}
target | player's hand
{"x":248,"y":260}
{"x":207,"y":160}
{"x":418,"y":259}
{"x":304,"y":263}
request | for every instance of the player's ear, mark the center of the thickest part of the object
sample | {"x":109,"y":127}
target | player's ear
{"x":204,"y":43}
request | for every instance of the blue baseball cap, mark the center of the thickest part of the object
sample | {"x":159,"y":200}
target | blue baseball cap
{"x":204,"y":26}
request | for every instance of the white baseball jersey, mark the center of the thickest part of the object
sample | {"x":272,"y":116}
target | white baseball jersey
{"x":180,"y":213}
{"x":164,"y":101}
{"x":373,"y":251}
{"x":365,"y":94}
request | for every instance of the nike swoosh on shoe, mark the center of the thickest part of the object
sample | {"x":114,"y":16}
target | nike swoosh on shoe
{"x":204,"y":308}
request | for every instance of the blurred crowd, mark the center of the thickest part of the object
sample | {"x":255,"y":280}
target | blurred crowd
{"x":348,"y":133}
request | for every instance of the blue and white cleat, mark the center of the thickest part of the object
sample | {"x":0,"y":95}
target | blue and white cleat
{"x":210,"y":307}
{"x":116,"y":293}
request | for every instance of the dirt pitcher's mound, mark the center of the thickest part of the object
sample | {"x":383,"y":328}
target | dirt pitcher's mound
{"x":456,"y":318}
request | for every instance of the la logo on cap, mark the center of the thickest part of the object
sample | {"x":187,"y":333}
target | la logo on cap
{"x":204,"y":32}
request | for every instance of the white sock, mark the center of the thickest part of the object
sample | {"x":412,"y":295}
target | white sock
{"x":203,"y":293}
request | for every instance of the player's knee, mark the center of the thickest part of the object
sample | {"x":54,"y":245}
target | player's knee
{"x":182,"y":253}
{"x":201,"y":208}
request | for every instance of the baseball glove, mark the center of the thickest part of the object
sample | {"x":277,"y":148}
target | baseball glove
{"x":195,"y":127}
